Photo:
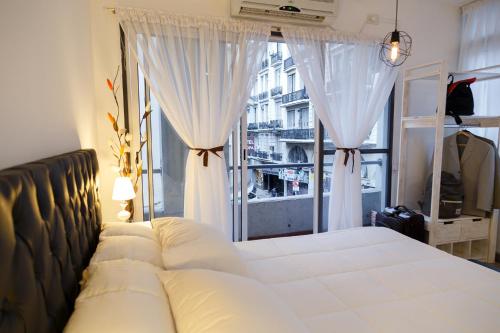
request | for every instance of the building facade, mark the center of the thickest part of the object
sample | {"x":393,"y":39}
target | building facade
{"x":280,"y":128}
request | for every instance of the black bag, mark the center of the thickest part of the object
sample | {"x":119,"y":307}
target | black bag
{"x":402,"y":220}
{"x":451,"y":196}
{"x":459,"y":99}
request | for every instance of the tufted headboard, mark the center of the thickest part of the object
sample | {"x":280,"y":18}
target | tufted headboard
{"x":50,"y":220}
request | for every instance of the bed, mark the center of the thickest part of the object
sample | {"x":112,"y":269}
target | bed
{"x":49,"y":227}
{"x":375,"y":280}
{"x":62,"y":269}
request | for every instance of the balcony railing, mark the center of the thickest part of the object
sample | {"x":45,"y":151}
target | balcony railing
{"x":299,"y":134}
{"x":263,"y":95}
{"x":263,"y":125}
{"x":294,"y":96}
{"x":276,"y":58}
{"x":276,"y":91}
{"x":272,"y":124}
{"x":288,"y":63}
{"x":254,"y":98}
{"x":252,"y":126}
{"x":276,"y":123}
{"x":258,"y":153}
{"x":264,"y":64}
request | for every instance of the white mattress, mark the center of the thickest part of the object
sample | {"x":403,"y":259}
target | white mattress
{"x":376,"y":280}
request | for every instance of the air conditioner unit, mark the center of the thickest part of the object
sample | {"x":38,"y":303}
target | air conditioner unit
{"x":305,"y":11}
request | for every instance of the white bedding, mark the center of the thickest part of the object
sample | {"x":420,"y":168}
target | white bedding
{"x":375,"y":280}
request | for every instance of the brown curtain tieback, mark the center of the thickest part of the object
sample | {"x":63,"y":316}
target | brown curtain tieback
{"x":346,"y":158}
{"x":206,"y":151}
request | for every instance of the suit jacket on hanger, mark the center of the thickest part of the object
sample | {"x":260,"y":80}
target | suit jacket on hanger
{"x":476,"y":169}
{"x":496,"y":196}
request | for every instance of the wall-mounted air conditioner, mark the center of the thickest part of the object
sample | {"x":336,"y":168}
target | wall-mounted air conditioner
{"x":305,"y":11}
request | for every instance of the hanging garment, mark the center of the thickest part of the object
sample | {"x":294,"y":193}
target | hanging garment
{"x":496,"y":195}
{"x":475,"y":165}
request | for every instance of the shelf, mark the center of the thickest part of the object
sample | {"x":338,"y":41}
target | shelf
{"x":479,"y":249}
{"x":447,"y":247}
{"x":460,"y":218}
{"x":473,"y":121}
{"x":479,"y":75}
{"x":434,"y":75}
{"x":419,"y":122}
{"x":462,"y":249}
{"x":449,"y":122}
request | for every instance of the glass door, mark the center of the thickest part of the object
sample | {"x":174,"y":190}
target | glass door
{"x":278,"y":152}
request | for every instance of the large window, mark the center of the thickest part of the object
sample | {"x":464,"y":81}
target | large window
{"x":278,"y":185}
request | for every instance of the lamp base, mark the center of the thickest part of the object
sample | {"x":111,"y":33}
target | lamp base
{"x":123,"y":215}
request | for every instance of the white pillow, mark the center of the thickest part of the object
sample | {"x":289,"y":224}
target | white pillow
{"x":205,"y":301}
{"x":127,"y":229}
{"x":186,"y":244}
{"x":122,"y":296}
{"x":128,"y":247}
{"x":120,"y":275}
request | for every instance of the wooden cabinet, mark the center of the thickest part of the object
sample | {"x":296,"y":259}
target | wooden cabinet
{"x":466,"y":236}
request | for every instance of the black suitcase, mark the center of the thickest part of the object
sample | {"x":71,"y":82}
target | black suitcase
{"x":402,"y":220}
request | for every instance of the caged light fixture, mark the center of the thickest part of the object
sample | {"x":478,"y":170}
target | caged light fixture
{"x":396,"y":46}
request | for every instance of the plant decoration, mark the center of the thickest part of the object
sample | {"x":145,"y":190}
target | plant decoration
{"x":121,"y":145}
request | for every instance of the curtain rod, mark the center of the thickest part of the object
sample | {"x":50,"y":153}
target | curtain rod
{"x":112,"y":10}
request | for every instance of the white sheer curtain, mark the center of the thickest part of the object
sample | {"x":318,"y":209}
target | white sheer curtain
{"x":201,"y":71}
{"x":479,"y":48}
{"x":349,"y":87}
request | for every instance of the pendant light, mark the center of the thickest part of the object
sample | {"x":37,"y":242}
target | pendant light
{"x":396,"y":46}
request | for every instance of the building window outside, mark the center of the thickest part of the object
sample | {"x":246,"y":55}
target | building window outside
{"x":277,"y":77}
{"x":291,"y":83}
{"x":290,"y":119}
{"x":297,"y":155}
{"x":304,"y":118}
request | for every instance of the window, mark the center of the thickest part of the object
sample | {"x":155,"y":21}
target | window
{"x":277,"y":110}
{"x":304,"y":118}
{"x":166,"y":161}
{"x":291,"y":83}
{"x":277,"y":74}
{"x":265,"y":113}
{"x":275,"y":190}
{"x":290,"y":119}
{"x":297,"y":155}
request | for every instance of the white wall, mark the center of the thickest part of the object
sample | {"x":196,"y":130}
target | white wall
{"x":46,"y":84}
{"x":433,"y":24}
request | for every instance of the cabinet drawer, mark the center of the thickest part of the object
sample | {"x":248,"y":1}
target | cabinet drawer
{"x":474,"y":229}
{"x":445,"y":232}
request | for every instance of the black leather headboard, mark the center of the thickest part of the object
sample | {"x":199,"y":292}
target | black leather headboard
{"x":50,"y":220}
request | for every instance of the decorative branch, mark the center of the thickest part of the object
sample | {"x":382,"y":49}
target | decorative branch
{"x":123,"y":146}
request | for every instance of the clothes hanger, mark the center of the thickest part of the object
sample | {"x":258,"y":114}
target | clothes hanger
{"x":465,"y":133}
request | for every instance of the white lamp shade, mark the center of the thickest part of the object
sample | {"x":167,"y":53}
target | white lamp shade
{"x":123,"y":189}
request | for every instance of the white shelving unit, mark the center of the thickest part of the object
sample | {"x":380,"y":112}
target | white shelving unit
{"x":468,"y":237}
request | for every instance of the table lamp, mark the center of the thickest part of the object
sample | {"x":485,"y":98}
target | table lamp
{"x":123,"y":190}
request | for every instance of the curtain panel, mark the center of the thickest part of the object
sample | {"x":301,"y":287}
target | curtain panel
{"x":479,"y":48}
{"x":349,"y":87}
{"x":201,"y":71}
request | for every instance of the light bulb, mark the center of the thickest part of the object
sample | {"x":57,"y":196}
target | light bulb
{"x":394,"y":50}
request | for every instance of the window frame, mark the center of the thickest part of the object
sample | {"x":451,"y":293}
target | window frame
{"x":130,"y":94}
